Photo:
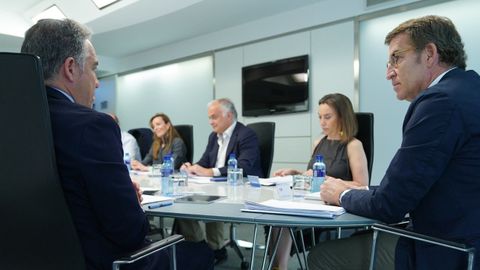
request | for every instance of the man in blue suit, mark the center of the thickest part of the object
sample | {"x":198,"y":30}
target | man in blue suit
{"x":435,"y":175}
{"x":228,"y":136}
{"x":103,"y":201}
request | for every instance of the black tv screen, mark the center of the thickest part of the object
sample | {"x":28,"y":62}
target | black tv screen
{"x":275,"y":87}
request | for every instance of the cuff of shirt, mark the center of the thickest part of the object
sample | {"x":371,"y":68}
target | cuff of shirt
{"x":216,"y":172}
{"x":342,"y":194}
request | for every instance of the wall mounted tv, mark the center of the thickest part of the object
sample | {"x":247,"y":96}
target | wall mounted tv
{"x":275,"y":87}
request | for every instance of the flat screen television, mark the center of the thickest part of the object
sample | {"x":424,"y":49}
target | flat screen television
{"x":275,"y":87}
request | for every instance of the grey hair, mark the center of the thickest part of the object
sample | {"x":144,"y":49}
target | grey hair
{"x":54,"y":41}
{"x":227,"y":106}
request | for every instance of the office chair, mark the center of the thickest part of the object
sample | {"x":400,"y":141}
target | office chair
{"x":36,"y":231}
{"x":365,"y":135}
{"x":186,"y":132}
{"x":423,"y":238}
{"x":144,"y":137}
{"x":266,"y":140}
{"x":265,"y":132}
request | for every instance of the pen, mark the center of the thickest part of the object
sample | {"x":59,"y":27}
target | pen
{"x":159,"y":204}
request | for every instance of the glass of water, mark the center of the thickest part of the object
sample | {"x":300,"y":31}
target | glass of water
{"x":301,"y":186}
{"x":235,"y":176}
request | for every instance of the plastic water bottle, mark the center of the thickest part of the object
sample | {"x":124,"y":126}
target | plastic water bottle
{"x":127,"y":160}
{"x":319,"y":172}
{"x":167,"y":181}
{"x":231,"y":168}
{"x":232,"y":161}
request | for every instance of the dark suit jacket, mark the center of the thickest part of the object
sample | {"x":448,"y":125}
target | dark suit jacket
{"x":96,"y":183}
{"x":435,"y":175}
{"x":244,"y":143}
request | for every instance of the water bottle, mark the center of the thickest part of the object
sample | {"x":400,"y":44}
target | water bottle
{"x":167,"y":181}
{"x":127,"y":161}
{"x":319,"y":172}
{"x":231,"y":168}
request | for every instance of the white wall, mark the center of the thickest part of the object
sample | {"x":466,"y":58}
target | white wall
{"x":376,"y":93}
{"x":106,"y":94}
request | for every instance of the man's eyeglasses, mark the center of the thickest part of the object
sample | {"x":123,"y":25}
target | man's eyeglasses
{"x":395,"y":57}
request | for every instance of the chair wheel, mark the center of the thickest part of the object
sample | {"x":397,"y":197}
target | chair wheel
{"x":244,"y":265}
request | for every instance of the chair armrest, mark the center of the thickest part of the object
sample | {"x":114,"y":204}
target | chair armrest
{"x":149,"y":249}
{"x":423,"y":238}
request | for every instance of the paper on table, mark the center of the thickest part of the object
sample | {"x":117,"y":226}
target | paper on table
{"x":295,"y":208}
{"x":272,"y":181}
{"x":313,"y":196}
{"x":153,"y":198}
{"x":199,"y":179}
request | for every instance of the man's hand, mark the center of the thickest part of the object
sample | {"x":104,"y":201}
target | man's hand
{"x":331,"y":189}
{"x":199,"y":170}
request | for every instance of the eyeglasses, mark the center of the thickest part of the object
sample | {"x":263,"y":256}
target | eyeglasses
{"x":395,"y":57}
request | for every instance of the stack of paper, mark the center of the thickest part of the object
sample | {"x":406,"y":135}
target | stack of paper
{"x":294,"y":208}
{"x":272,"y":181}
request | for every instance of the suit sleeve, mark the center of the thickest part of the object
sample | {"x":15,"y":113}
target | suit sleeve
{"x":205,"y":161}
{"x":148,"y":159}
{"x":179,"y":151}
{"x":108,"y":184}
{"x":432,"y":129}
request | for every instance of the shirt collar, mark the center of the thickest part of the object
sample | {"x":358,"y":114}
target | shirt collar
{"x":228,"y":132}
{"x":439,"y":77}
{"x":64,"y":93}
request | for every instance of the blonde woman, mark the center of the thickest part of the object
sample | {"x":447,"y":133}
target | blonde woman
{"x":165,"y":140}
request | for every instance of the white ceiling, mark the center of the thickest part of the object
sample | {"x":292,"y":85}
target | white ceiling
{"x":132,"y":26}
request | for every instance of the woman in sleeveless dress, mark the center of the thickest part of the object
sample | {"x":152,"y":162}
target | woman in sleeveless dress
{"x":343,"y":155}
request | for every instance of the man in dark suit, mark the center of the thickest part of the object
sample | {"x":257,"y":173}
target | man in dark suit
{"x":102,"y":199}
{"x":228,"y":136}
{"x":435,"y":175}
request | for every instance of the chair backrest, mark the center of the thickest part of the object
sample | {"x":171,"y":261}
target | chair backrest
{"x":365,"y":135}
{"x":266,"y":139}
{"x":186,"y":132}
{"x":144,"y":137}
{"x":36,"y":230}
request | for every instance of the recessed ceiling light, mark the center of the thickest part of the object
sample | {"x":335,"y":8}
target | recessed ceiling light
{"x":52,"y":12}
{"x":103,"y":3}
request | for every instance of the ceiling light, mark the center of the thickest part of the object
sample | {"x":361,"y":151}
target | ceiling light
{"x":104,"y":3}
{"x":52,"y":12}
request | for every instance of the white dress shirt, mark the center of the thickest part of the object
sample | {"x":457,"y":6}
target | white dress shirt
{"x":223,"y":140}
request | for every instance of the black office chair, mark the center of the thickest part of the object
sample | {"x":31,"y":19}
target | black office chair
{"x":365,"y":135}
{"x":36,"y":231}
{"x":186,"y":132}
{"x":144,"y":137}
{"x":266,"y":139}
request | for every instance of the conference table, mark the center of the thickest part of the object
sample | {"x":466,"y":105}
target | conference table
{"x":229,"y":208}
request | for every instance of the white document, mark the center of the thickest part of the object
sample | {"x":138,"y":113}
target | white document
{"x":272,"y":181}
{"x":153,"y":198}
{"x":199,"y":179}
{"x":294,"y":208}
{"x":313,"y":196}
